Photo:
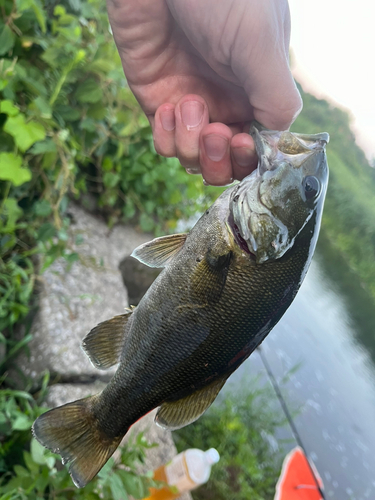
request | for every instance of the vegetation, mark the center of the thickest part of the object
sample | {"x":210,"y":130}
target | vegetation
{"x":70,"y":127}
{"x":349,"y":213}
{"x":241,"y":428}
{"x":36,"y":473}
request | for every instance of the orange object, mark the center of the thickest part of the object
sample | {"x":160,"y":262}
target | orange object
{"x":185,"y":472}
{"x":297,"y":481}
{"x":165,"y":493}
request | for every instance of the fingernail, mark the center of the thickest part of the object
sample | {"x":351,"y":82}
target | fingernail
{"x":215,"y":146}
{"x":193,"y":171}
{"x":191,"y":113}
{"x":167,"y":119}
{"x":243,"y":156}
{"x":231,"y":180}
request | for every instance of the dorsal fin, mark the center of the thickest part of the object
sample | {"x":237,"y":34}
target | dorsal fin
{"x":103,"y":345}
{"x":160,"y":251}
{"x":177,"y":414}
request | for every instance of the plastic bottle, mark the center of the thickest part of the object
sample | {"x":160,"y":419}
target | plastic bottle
{"x":185,"y":472}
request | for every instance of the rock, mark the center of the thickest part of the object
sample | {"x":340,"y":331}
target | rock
{"x":75,"y":299}
{"x":60,"y":394}
{"x":137,"y":278}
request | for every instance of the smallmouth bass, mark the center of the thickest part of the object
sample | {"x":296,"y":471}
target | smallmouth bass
{"x":224,"y":286}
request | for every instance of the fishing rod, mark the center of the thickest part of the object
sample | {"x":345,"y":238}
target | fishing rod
{"x":292,"y":425}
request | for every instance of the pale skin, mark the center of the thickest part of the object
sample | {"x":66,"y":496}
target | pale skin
{"x":202,"y":70}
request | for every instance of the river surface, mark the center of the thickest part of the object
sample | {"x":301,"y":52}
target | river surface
{"x":329,"y":330}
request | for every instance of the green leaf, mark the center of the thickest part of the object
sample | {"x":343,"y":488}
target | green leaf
{"x":23,"y":5}
{"x":7,"y":39}
{"x":22,"y":423}
{"x":106,"y":470}
{"x":132,"y":484}
{"x":46,"y":231}
{"x":47,"y":146}
{"x":42,"y":208}
{"x":10,"y":169}
{"x":146,"y":222}
{"x":111,"y":179}
{"x":117,"y":488}
{"x":89,"y":91}
{"x":37,"y":8}
{"x":24,"y":134}
{"x":39,"y":454}
{"x":30,"y":464}
{"x":39,"y":14}
{"x":68,"y":113}
{"x":43,"y":106}
{"x":8,"y":108}
{"x":21,"y":471}
{"x":12,"y":212}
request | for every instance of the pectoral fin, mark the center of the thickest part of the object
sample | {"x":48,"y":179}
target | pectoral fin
{"x":179,"y":413}
{"x":209,"y":277}
{"x":103,"y":345}
{"x":160,"y":251}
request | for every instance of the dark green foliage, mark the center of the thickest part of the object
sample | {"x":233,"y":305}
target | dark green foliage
{"x":35,"y":473}
{"x":70,"y":126}
{"x":241,"y":428}
{"x":349,"y":213}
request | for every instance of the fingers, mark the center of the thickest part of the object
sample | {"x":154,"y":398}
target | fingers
{"x":177,"y":130}
{"x":220,"y":153}
{"x":215,"y":156}
{"x":244,"y":157}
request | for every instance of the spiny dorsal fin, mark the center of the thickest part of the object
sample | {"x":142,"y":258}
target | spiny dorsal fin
{"x":179,"y":413}
{"x":160,"y":251}
{"x":103,"y":345}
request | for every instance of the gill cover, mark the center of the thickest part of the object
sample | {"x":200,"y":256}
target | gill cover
{"x":273,"y":204}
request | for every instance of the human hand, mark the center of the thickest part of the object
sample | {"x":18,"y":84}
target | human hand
{"x":202,"y":70}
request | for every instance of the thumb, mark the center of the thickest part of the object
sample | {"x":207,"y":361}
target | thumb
{"x":274,"y":97}
{"x":261,"y":63}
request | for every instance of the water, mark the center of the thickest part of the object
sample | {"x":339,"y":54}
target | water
{"x":330,"y":331}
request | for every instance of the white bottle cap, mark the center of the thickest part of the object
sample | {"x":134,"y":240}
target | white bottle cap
{"x":212,"y":456}
{"x":199,"y":463}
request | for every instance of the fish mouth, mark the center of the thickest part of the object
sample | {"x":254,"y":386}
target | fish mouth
{"x":273,"y":146}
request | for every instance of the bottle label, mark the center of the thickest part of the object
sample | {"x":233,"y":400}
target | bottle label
{"x":177,"y":474}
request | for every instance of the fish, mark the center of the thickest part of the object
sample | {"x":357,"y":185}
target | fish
{"x":223,"y":287}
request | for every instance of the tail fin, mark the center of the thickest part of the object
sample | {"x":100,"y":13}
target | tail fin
{"x":72,"y":431}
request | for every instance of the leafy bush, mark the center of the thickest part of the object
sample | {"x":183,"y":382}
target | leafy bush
{"x":241,"y":428}
{"x":38,"y":474}
{"x":69,"y":125}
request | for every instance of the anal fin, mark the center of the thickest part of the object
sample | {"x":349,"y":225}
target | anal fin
{"x":177,"y":414}
{"x":103,"y":344}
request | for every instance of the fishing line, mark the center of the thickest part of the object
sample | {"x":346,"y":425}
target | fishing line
{"x":284,"y":407}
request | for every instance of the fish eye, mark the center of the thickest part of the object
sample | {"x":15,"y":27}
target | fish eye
{"x":311,"y":186}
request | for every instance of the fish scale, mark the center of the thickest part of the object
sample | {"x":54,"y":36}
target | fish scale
{"x":223,"y":288}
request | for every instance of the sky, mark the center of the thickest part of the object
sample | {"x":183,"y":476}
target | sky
{"x":333,"y":57}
